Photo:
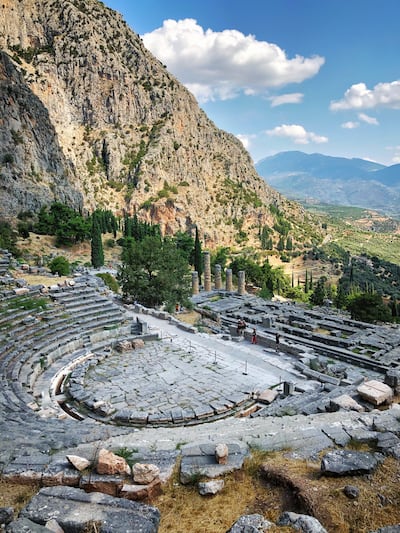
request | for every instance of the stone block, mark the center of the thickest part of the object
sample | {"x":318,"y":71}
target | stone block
{"x":375,"y":392}
{"x":200,"y":460}
{"x":106,"y":484}
{"x":137,"y":492}
{"x":109,"y":463}
{"x":80,"y":463}
{"x":221,"y":454}
{"x":145,"y":473}
{"x":268,"y":396}
{"x":349,"y":463}
{"x":74,"y":510}
{"x":209,"y":488}
{"x":347,"y":403}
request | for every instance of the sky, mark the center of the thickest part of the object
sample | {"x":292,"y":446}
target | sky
{"x":311,"y":75}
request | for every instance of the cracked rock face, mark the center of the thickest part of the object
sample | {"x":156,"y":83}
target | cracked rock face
{"x":89,"y":116}
{"x":75,"y":509}
{"x":349,"y":463}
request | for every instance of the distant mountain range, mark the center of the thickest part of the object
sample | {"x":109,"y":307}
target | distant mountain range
{"x":334,"y":180}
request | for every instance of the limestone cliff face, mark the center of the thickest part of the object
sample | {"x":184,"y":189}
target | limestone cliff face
{"x":100,"y":121}
{"x":34,"y":171}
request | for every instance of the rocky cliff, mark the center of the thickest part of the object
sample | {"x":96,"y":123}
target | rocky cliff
{"x":90,"y":117}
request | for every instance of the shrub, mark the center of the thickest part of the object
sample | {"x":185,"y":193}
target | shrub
{"x":59,"y":265}
{"x":109,"y":280}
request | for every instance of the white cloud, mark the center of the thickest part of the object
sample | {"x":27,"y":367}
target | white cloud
{"x":350,"y":125}
{"x":220,"y":65}
{"x":360,"y":97}
{"x":369,"y":120}
{"x":297,"y":134}
{"x":290,"y":98}
{"x":246,"y":139}
{"x":396,"y":156}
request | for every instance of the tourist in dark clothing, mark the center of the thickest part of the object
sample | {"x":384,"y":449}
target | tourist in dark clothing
{"x":277,"y":340}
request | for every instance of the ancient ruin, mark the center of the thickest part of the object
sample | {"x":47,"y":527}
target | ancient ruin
{"x":82,"y":372}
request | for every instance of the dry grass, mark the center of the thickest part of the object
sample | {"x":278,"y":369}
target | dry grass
{"x":189,"y":317}
{"x":268,"y":484}
{"x":287,"y":485}
{"x":44,"y":245}
{"x":16,"y":495}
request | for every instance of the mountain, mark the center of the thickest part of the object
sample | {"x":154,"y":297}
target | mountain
{"x":389,"y":176}
{"x":333,"y":180}
{"x":90,"y":117}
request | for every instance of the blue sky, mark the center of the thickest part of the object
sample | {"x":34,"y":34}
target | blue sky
{"x":311,"y":75}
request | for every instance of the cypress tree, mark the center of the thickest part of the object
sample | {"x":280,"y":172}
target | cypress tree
{"x":198,"y":259}
{"x":306,"y":283}
{"x":97,"y":254}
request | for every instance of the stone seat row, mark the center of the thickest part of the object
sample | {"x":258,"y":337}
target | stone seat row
{"x":21,"y":361}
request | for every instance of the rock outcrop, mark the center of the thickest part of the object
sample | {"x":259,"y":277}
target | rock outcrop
{"x":96,"y":120}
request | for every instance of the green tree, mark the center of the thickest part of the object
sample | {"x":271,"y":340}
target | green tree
{"x":97,"y":253}
{"x":68,"y":225}
{"x":198,"y":256}
{"x":59,"y":265}
{"x":341,"y":298}
{"x":154,"y":272}
{"x":281,"y":244}
{"x":185,"y":243}
{"x":220,"y":257}
{"x":8,"y":237}
{"x":319,"y":293}
{"x":368,"y":307}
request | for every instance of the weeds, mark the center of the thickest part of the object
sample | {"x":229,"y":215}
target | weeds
{"x":126,"y":453}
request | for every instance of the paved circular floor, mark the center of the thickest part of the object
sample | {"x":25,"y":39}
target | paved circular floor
{"x":166,"y":382}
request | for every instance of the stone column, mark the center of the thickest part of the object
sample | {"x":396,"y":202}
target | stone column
{"x":217,"y":278}
{"x":228,"y":274}
{"x":241,"y":282}
{"x":195,"y":282}
{"x":207,"y":271}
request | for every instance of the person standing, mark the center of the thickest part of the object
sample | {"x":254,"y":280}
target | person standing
{"x":277,"y":341}
{"x":254,"y":337}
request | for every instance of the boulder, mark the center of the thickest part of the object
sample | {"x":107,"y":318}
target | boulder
{"x":251,"y":523}
{"x":268,"y":396}
{"x":6,"y":515}
{"x":301,"y":522}
{"x":221,"y":454}
{"x":80,"y":463}
{"x":349,"y":463}
{"x":137,"y":343}
{"x":75,"y":510}
{"x":351,"y":492}
{"x":109,"y":463}
{"x":375,"y":392}
{"x":346,"y":402}
{"x":145,"y":473}
{"x":207,"y":488}
{"x":21,"y":291}
{"x":123,"y":346}
{"x":54,"y":526}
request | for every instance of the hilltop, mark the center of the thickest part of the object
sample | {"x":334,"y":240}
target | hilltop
{"x":92,"y":119}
